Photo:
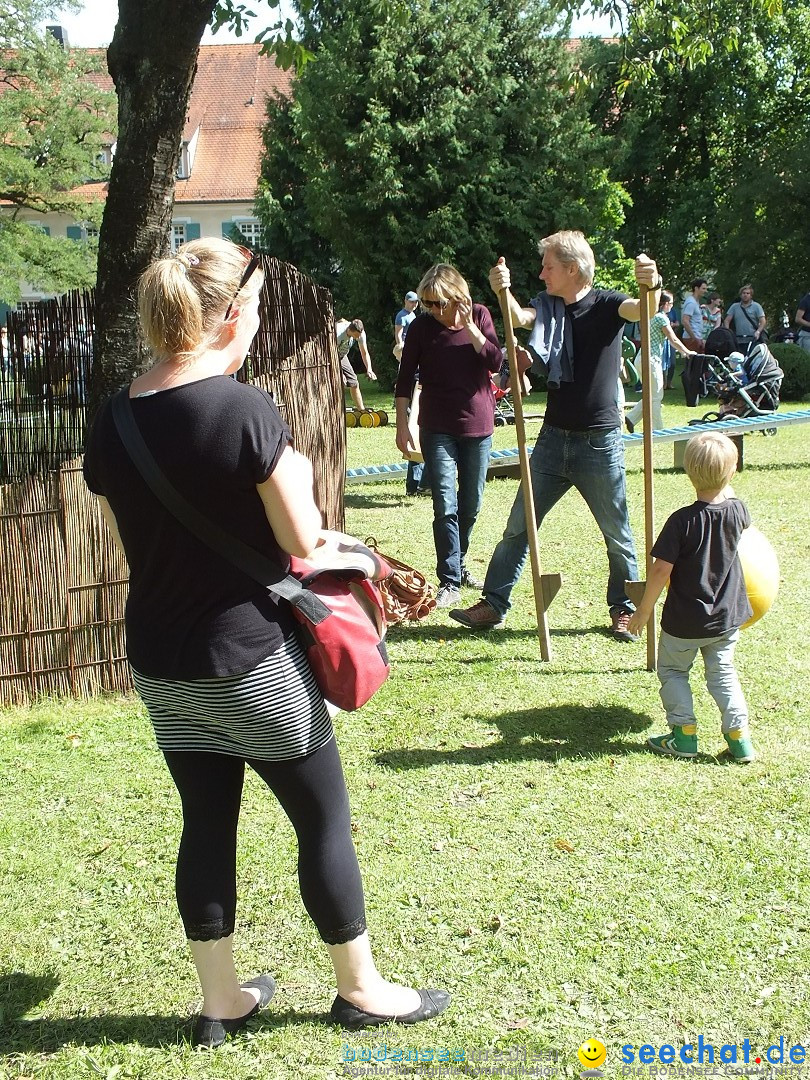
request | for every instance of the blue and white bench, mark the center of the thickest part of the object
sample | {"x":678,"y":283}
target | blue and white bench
{"x":505,"y":462}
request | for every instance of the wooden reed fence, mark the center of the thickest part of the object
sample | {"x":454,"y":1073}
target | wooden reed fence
{"x":63,"y":583}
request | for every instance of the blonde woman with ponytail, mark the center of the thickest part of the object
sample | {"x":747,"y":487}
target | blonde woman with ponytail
{"x":214,"y":655}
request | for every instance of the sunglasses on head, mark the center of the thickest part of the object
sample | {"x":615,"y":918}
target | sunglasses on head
{"x":250,"y":269}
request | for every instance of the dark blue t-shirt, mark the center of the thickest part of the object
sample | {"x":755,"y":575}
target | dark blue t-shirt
{"x":706,"y":594}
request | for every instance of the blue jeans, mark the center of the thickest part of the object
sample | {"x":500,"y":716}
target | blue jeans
{"x":675,"y":659}
{"x":416,"y":478}
{"x":668,"y":362}
{"x":593,"y":463}
{"x":449,"y":458}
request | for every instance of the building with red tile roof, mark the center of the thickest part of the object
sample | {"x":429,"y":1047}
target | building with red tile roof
{"x":222,"y":142}
{"x":220,"y":157}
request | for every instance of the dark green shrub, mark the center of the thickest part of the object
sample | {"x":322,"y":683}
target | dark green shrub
{"x":795,"y":362}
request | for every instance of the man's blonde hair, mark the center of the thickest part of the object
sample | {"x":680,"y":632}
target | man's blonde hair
{"x":571,"y":248}
{"x":710,"y":460}
{"x":182,"y":299}
{"x":444,"y":280}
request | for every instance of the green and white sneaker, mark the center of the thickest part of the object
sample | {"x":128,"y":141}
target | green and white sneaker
{"x":680,"y":741}
{"x":740,"y":746}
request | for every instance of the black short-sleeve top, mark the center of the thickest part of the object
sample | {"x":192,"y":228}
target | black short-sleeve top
{"x":706,"y":594}
{"x":591,"y":400}
{"x":190,"y":614}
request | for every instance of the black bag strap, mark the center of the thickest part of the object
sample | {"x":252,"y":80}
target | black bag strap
{"x":754,"y":322}
{"x":233,"y":550}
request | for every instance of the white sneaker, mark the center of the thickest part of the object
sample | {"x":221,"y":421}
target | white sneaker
{"x":447,"y":596}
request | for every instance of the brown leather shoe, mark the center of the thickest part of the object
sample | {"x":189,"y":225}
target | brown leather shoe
{"x":619,"y":618}
{"x":481,"y":616}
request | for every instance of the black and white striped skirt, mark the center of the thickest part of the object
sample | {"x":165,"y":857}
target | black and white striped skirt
{"x":273,"y":713}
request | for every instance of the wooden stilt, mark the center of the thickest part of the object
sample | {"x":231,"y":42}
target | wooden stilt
{"x":545,"y":586}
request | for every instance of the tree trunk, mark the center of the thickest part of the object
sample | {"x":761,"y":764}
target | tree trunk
{"x":152,"y":60}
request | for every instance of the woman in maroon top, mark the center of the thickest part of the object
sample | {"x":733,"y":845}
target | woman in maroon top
{"x":454,"y":348}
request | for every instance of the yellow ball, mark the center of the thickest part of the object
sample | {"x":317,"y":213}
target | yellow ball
{"x":760,"y":568}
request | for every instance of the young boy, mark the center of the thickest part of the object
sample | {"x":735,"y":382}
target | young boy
{"x":706,"y":605}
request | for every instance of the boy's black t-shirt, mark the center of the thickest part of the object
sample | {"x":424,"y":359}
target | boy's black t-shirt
{"x":591,"y":400}
{"x":707,"y":594}
{"x":190,"y":614}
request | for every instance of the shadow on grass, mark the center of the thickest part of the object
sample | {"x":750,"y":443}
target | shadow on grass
{"x":442,"y":632}
{"x":20,"y":992}
{"x":419,"y":632}
{"x":776,"y":466}
{"x":557,"y":731}
{"x":352,"y":501}
{"x":30,"y":729}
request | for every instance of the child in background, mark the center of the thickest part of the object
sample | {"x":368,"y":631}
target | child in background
{"x":696,"y":552}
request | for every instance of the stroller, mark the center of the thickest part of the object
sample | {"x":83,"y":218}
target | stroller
{"x":749,"y":389}
{"x":504,"y":410}
{"x":721,"y":342}
{"x":502,"y":392}
{"x":704,"y":373}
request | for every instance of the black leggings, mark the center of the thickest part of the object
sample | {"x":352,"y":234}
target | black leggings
{"x":312,"y":793}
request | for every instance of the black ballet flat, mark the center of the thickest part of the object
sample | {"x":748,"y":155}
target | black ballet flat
{"x":350,"y":1016}
{"x":211,"y":1032}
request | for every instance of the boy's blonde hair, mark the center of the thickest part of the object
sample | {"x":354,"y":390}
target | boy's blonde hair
{"x":182,"y":299}
{"x":571,"y":248}
{"x":710,"y":460}
{"x":444,"y":280}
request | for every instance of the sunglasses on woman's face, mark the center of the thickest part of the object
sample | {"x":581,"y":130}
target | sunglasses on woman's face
{"x":250,"y":269}
{"x":440,"y":304}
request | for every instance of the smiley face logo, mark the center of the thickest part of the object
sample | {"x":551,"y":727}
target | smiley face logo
{"x":592,"y":1053}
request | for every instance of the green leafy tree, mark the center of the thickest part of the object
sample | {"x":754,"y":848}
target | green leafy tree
{"x":713,"y":158}
{"x":676,"y":35}
{"x":449,"y":135}
{"x":54,"y":120}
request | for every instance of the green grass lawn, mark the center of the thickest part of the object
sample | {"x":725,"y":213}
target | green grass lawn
{"x":519,"y":844}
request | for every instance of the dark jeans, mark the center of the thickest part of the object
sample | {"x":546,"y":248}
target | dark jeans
{"x":668,"y":363}
{"x":313,"y":795}
{"x":454,"y":459}
{"x":417,"y":478}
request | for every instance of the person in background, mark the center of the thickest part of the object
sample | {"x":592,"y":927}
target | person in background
{"x":746,"y":318}
{"x":416,"y":478}
{"x":712,"y":314}
{"x":706,"y":604}
{"x":402,"y":320}
{"x":215,"y":657}
{"x":669,"y":352}
{"x":455,"y":349}
{"x":661,"y":332}
{"x":802,"y":320}
{"x":692,"y":317}
{"x":348,"y":332}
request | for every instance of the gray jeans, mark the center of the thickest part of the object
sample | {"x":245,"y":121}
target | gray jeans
{"x":675,"y":659}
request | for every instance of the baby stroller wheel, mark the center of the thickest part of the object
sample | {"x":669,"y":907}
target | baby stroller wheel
{"x":500,"y":421}
{"x":707,"y":418}
{"x":769,"y":431}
